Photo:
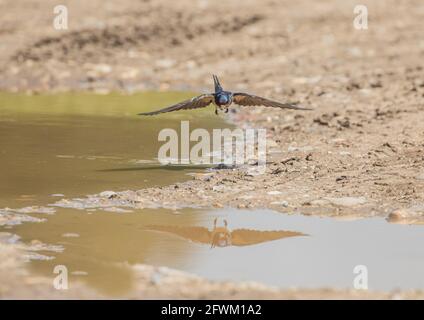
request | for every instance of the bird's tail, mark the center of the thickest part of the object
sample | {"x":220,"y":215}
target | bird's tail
{"x":217,"y":84}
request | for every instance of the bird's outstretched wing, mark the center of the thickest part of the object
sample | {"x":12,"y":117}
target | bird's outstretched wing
{"x":246,"y":237}
{"x":245,"y":99}
{"x":194,"y":103}
{"x":194,"y":233}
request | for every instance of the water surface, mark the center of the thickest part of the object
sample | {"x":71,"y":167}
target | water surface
{"x":73,"y":145}
{"x":79,"y":144}
{"x":261,"y":245}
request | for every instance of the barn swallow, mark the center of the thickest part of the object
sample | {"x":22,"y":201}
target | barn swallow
{"x":222,"y":100}
{"x":222,"y":236}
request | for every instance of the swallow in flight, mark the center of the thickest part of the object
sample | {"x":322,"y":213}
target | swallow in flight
{"x":222,"y":100}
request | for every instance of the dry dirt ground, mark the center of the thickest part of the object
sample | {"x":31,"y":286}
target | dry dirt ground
{"x":358,"y":153}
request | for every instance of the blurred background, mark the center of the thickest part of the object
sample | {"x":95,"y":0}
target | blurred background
{"x":281,"y":47}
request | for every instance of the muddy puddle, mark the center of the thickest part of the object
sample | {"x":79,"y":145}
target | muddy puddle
{"x":69,"y":145}
{"x":72,"y":145}
{"x":239,"y":245}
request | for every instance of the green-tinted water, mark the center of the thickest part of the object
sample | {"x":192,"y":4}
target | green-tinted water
{"x":79,"y":144}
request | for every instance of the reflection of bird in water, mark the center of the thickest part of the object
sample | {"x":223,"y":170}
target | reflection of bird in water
{"x":222,"y":236}
{"x":222,"y":100}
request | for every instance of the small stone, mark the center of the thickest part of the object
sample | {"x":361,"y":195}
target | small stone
{"x":108,"y":194}
{"x":218,"y":188}
{"x":280,"y":203}
{"x":397,"y":216}
{"x":412,"y":215}
{"x":274,"y":193}
{"x":344,"y":153}
{"x":291,"y":149}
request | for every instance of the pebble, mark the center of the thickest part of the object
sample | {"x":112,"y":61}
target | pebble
{"x":412,"y":215}
{"x":108,"y":194}
{"x":274,"y":193}
{"x":280,"y":203}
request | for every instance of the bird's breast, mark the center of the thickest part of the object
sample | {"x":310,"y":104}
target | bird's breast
{"x":223,"y":100}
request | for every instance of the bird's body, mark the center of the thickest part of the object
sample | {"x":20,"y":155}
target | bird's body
{"x":222,"y":100}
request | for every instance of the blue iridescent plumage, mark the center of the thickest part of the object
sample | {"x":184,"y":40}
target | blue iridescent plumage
{"x":223,"y":99}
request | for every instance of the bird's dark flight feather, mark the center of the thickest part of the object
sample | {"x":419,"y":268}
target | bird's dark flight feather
{"x":194,"y":103}
{"x":245,"y":99}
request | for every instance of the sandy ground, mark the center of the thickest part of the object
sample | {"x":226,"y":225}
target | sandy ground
{"x":358,"y":153}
